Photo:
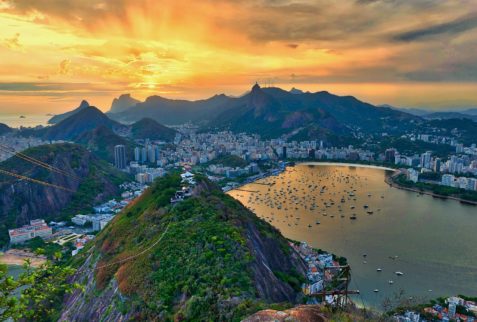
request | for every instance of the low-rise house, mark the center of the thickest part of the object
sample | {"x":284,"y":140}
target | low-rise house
{"x":37,"y":228}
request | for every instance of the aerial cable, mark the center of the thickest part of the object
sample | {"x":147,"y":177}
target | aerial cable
{"x":38,"y":162}
{"x":19,"y":176}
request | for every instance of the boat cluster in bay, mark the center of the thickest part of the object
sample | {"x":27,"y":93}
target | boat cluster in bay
{"x":332,"y":194}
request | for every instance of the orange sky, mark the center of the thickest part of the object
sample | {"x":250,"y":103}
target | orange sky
{"x":53,"y":53}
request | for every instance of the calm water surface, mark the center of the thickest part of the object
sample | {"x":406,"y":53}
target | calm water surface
{"x":30,"y":120}
{"x":435,"y":240}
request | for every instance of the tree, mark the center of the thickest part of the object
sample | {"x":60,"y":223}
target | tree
{"x":36,"y":294}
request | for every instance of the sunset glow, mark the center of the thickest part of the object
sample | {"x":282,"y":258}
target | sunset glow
{"x":55,"y":53}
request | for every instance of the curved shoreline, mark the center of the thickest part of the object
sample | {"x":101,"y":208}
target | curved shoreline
{"x":343,"y":164}
{"x":389,"y":180}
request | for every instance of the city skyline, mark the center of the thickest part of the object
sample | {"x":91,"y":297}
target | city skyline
{"x":417,"y":54}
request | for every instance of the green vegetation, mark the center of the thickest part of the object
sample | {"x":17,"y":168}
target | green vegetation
{"x":294,"y":279}
{"x":201,"y":268}
{"x":91,"y":187}
{"x":100,"y":183}
{"x":408,"y":147}
{"x":464,"y":129}
{"x":229,"y":161}
{"x":36,"y":295}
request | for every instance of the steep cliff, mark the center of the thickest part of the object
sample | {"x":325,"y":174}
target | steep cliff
{"x":123,"y":103}
{"x":206,"y":258}
{"x":92,"y":181}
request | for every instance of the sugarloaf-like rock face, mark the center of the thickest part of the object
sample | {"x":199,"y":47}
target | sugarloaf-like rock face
{"x":123,"y":103}
{"x":60,"y":117}
{"x":78,"y":123}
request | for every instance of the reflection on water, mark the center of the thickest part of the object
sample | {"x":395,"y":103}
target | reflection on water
{"x":351,"y":211}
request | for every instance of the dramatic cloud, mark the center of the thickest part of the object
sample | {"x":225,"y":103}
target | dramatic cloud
{"x":193,"y":49}
{"x":456,"y":26}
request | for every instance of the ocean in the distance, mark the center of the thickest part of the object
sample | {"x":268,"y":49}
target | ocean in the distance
{"x":30,"y":120}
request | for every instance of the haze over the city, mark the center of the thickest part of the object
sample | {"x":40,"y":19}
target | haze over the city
{"x":404,"y":53}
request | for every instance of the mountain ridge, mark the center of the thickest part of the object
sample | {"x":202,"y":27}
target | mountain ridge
{"x":60,"y":117}
{"x":76,"y":124}
{"x":272,"y":111}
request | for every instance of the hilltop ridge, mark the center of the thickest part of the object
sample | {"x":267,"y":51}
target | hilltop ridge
{"x":215,"y":260}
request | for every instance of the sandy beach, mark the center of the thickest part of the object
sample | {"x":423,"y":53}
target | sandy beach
{"x":18,"y":257}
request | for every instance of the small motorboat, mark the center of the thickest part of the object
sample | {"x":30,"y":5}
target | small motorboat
{"x":399,"y":273}
{"x":378,"y":270}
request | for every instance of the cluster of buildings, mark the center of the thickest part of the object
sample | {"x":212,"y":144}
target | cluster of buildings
{"x":190,"y":148}
{"x":321,"y":270}
{"x":149,"y":153}
{"x":78,"y":234}
{"x":426,"y":162}
{"x":105,"y":212}
{"x":199,"y":148}
{"x":232,"y":172}
{"x":144,"y":174}
{"x":36,"y":228}
{"x":445,"y":313}
{"x":98,"y":221}
{"x":315,"y":150}
{"x":459,"y":182}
